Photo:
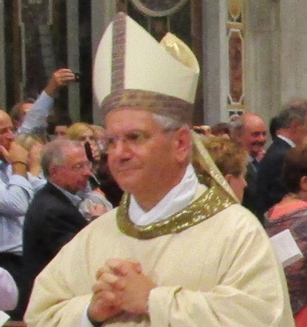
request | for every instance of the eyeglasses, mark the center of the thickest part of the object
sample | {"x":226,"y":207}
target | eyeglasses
{"x":82,"y":166}
{"x":79,"y":166}
{"x":132,"y":139}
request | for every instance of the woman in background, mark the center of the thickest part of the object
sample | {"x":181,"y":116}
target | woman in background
{"x":101,"y":177}
{"x":85,"y":133}
{"x":230,"y":159}
{"x":291,"y":213}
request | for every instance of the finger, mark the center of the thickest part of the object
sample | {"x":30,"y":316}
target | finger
{"x":136,"y":264}
{"x":114,"y":263}
{"x":101,"y":286}
{"x":105,"y":297}
{"x":4,"y":153}
{"x":109,"y":278}
{"x":122,"y":267}
{"x":105,"y":285}
{"x":102,"y":270}
{"x":114,"y":281}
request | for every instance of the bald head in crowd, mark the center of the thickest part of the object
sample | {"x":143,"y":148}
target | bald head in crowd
{"x":6,"y":130}
{"x":251,"y":132}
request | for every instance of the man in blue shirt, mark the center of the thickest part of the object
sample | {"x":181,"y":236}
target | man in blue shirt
{"x":17,"y":187}
{"x":31,"y":118}
{"x":18,"y":172}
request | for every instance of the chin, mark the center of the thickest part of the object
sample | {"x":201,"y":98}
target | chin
{"x":127,"y":185}
{"x":125,"y":179}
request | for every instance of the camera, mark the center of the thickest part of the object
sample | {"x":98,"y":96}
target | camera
{"x":77,"y":77}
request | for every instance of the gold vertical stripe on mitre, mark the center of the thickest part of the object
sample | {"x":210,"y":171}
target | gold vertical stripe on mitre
{"x":118,"y":52}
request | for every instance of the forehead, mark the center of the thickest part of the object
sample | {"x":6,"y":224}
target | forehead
{"x":5,"y":120}
{"x":255,"y":124}
{"x":61,"y":127}
{"x":129,"y":119}
{"x":74,"y":153}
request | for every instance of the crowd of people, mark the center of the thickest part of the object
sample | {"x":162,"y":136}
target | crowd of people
{"x":275,"y":180}
{"x":187,"y":243}
{"x":50,"y":186}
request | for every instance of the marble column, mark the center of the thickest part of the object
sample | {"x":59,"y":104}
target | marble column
{"x":293,"y":49}
{"x":37,"y":58}
{"x":215,"y":68}
{"x":263,"y":57}
{"x":73,"y":56}
{"x":102,"y":13}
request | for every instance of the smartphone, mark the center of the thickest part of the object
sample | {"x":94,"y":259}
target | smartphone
{"x":77,"y":77}
{"x":88,"y":151}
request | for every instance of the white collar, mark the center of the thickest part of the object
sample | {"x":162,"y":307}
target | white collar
{"x":175,"y":200}
{"x":290,"y":142}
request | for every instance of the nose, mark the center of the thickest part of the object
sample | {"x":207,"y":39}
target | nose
{"x":262,"y":137}
{"x":10,"y":135}
{"x":119,"y":153}
{"x":119,"y":147}
{"x":87,"y":171}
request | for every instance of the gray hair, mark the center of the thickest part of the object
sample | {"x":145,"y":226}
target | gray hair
{"x":53,"y":153}
{"x":295,"y":110}
{"x":169,"y":123}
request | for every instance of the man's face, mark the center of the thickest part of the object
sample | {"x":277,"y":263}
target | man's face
{"x":300,"y":133}
{"x":254,"y":136}
{"x":60,"y":132}
{"x":88,"y":136}
{"x":73,"y":175}
{"x":6,"y":130}
{"x":141,"y":156}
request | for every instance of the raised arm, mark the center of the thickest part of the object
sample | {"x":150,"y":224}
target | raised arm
{"x":35,"y":119}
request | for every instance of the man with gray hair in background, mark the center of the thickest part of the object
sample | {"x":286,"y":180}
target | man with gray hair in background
{"x":292,"y":131}
{"x":54,"y":216}
{"x":250,"y":131}
{"x":18,"y":182}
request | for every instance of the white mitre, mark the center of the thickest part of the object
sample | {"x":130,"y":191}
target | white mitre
{"x":132,"y":69}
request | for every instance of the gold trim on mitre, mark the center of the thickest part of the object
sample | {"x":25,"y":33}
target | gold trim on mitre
{"x":179,"y":51}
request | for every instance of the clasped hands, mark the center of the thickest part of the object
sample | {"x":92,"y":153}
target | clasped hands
{"x":121,"y":287}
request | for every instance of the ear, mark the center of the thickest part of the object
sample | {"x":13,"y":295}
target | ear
{"x":228,"y":178}
{"x":182,"y":144}
{"x":52,"y":171}
{"x":295,"y":123}
{"x":303,"y":183}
